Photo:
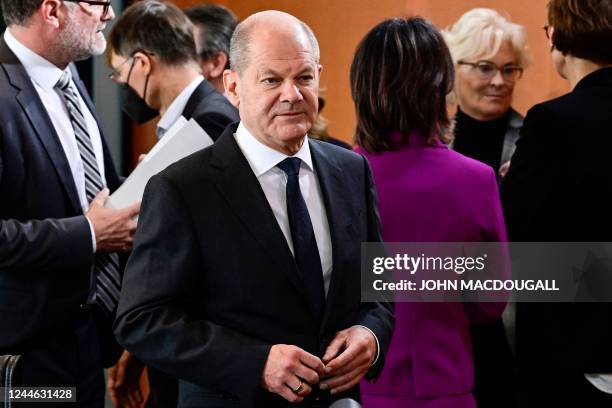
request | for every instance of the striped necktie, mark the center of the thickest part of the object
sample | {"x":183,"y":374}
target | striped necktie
{"x":106,"y":266}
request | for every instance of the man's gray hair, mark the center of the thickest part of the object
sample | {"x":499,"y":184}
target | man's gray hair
{"x":241,"y":39}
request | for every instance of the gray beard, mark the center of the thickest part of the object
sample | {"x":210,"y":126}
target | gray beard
{"x":73,"y":45}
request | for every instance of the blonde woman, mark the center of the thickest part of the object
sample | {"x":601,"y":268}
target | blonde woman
{"x":489,"y":53}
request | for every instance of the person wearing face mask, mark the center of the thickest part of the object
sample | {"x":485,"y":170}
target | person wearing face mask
{"x":489,"y":53}
{"x":558,"y":190}
{"x":153,"y":57}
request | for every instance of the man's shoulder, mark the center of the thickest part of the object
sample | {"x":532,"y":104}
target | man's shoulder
{"x":209,"y":101}
{"x":339,"y":154}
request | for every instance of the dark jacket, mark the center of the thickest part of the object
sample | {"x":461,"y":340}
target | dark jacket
{"x":212,"y":285}
{"x":558,"y":190}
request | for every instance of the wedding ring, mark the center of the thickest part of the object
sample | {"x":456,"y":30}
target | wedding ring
{"x":299,"y":388}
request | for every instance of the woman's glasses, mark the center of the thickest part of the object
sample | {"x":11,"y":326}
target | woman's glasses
{"x":487,"y":70}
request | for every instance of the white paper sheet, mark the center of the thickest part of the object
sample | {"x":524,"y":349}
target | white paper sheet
{"x":181,"y":140}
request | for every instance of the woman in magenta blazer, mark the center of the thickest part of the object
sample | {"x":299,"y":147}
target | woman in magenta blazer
{"x":400,"y":76}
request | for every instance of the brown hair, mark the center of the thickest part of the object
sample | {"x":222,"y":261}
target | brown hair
{"x":583,"y":28}
{"x":156,"y":27}
{"x":217,"y":25}
{"x":16,"y":12}
{"x":400,"y":76}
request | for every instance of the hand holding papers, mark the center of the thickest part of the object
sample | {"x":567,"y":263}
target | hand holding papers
{"x":181,"y":140}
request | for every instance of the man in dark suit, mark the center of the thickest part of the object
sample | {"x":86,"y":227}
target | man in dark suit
{"x":153,"y":55}
{"x":558,"y":190}
{"x":245,"y":278}
{"x":59,"y":271}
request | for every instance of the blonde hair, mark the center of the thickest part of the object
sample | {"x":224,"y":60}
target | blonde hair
{"x":480,"y":33}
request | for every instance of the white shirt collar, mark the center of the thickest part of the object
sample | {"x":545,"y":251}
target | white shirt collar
{"x":41,"y":71}
{"x":262,"y":158}
{"x":176,"y":108}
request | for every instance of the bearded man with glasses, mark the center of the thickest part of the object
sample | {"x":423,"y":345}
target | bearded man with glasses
{"x":60,"y":267}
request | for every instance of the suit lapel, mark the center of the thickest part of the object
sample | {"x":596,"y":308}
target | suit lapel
{"x":336,"y":198}
{"x":202,"y":91}
{"x":241,"y":189}
{"x":28,"y":99}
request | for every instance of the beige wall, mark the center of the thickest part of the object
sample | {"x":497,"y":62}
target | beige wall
{"x":340,"y":24}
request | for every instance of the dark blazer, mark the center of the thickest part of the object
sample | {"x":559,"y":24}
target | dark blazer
{"x":214,"y":113}
{"x":46,"y":251}
{"x":558,"y":189}
{"x":429,"y":363}
{"x":210,"y":109}
{"x":212,"y":284}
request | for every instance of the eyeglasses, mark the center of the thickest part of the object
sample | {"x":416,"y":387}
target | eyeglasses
{"x":115,"y":75}
{"x":546,"y":29}
{"x":105,"y":5}
{"x":486,"y":70}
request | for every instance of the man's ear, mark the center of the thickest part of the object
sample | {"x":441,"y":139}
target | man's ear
{"x":52,"y":12}
{"x":217,"y":65}
{"x":145,"y":61}
{"x":231,"y":80}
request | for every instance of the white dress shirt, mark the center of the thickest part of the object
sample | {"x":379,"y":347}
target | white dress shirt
{"x":44,"y":75}
{"x":176,"y":108}
{"x":263,"y":161}
{"x":273,"y":181}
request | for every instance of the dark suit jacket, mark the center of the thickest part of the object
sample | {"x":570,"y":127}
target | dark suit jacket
{"x":212,"y":284}
{"x":214,"y":113}
{"x":558,"y":189}
{"x":46,"y":251}
{"x":210,"y":109}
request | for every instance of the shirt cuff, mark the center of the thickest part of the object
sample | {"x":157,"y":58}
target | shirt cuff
{"x":93,"y":236}
{"x":377,"y":344}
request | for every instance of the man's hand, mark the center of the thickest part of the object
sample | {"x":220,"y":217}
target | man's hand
{"x":114,"y":229}
{"x":291,"y":372}
{"x":124,"y":382}
{"x":348,"y":358}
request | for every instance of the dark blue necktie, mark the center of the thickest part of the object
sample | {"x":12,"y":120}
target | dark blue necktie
{"x":304,"y":243}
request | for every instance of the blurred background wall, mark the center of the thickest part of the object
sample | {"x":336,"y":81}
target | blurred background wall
{"x":340,"y":25}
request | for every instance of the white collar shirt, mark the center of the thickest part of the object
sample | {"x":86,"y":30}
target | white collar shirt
{"x":176,"y":108}
{"x":263,"y":160}
{"x":44,"y":75}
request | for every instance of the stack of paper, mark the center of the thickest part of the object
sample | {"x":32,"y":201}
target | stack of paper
{"x":181,"y":140}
